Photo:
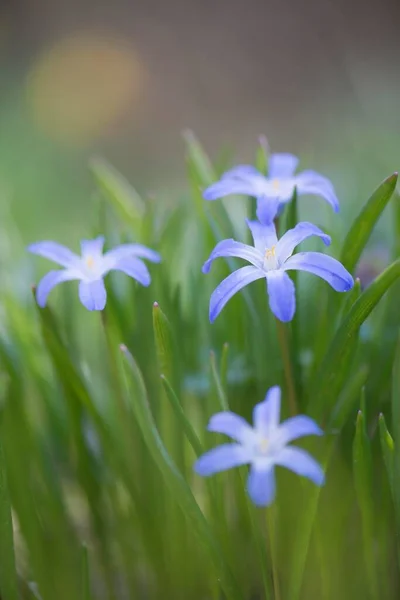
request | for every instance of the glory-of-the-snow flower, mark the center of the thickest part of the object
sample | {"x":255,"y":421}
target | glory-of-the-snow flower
{"x":279,"y":184}
{"x":91,"y":267}
{"x":271,"y":258}
{"x":264,"y":446}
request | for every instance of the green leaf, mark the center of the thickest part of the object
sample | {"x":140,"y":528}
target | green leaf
{"x":396,"y":438}
{"x":164,"y":342}
{"x":172,"y":477}
{"x":116,"y":189}
{"x":199,"y":159}
{"x":387,"y":446}
{"x":216,"y":380}
{"x":262,"y":155}
{"x":362,"y":467}
{"x":327,"y":382}
{"x":348,"y":398}
{"x":85,"y":595}
{"x":361,"y":229}
{"x":180,"y":415}
{"x":8,"y":576}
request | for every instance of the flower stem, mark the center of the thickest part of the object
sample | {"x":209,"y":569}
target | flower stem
{"x":271,"y":523}
{"x":283,"y":337}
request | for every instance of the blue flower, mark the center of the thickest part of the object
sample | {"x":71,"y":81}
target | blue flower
{"x":271,"y":259}
{"x":91,"y":267}
{"x":277,"y":189}
{"x":263,"y":446}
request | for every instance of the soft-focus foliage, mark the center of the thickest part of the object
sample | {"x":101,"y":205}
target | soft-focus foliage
{"x":103,"y":415}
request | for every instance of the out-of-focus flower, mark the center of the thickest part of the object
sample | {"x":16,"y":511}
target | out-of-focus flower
{"x":90,"y":268}
{"x":271,"y":259}
{"x":279,"y":185}
{"x":263,"y":446}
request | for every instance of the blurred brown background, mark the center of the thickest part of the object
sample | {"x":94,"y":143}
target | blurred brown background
{"x":125,"y":78}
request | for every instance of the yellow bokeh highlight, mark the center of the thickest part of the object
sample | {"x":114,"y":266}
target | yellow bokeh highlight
{"x":83,"y":85}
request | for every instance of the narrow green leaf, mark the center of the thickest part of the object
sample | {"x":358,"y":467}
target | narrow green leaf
{"x":348,"y":398}
{"x":362,"y":467}
{"x":172,"y":477}
{"x":396,"y":438}
{"x":327,"y":382}
{"x":387,"y":446}
{"x":164,"y":341}
{"x":304,"y":528}
{"x":199,"y":159}
{"x":85,"y":573}
{"x":364,"y":223}
{"x":262,"y":155}
{"x":223,"y":403}
{"x":224,"y":367}
{"x":116,"y":189}
{"x":180,"y":415}
{"x":8,"y":576}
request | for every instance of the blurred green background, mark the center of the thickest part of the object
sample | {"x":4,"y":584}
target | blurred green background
{"x":124,"y":78}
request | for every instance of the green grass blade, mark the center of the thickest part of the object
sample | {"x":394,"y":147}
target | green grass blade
{"x":327,"y":382}
{"x":387,"y":446}
{"x":85,"y":573}
{"x":361,"y":229}
{"x":396,"y":438}
{"x":181,"y":417}
{"x":122,"y":196}
{"x":165,"y":344}
{"x":8,"y":576}
{"x":172,"y":477}
{"x":362,"y":468}
{"x":348,"y":398}
{"x":262,"y":155}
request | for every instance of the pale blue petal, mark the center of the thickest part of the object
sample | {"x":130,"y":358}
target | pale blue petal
{"x":264,"y":236}
{"x":128,"y":250}
{"x":231,"y":248}
{"x":295,"y":236}
{"x":282,"y":165}
{"x":134,"y":267}
{"x":323,"y":266}
{"x":92,"y":248}
{"x":93,"y":294}
{"x":261,"y":485}
{"x":222,"y":458}
{"x":266,"y":414}
{"x":241,"y":172}
{"x":282,"y":297}
{"x":297,"y":427}
{"x":49,"y":281}
{"x":229,"y":286}
{"x":267,"y":208}
{"x":314,"y":184}
{"x":229,"y":186}
{"x":231,"y":424}
{"x":301,"y":463}
{"x":56,"y":252}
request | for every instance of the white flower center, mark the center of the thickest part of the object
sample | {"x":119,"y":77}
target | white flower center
{"x":90,"y":262}
{"x":263,"y":446}
{"x":275,"y":184}
{"x":270,"y":260}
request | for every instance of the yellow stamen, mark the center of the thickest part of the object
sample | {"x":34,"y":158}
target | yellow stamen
{"x":90,"y":261}
{"x":275,"y":184}
{"x":270,"y":252}
{"x":264,"y":445}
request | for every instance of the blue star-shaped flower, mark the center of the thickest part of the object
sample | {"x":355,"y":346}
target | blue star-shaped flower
{"x":263,"y":446}
{"x":279,"y":185}
{"x":271,"y":259}
{"x":91,"y":267}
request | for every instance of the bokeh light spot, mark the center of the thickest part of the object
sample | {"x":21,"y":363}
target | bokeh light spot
{"x":79,"y":88}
